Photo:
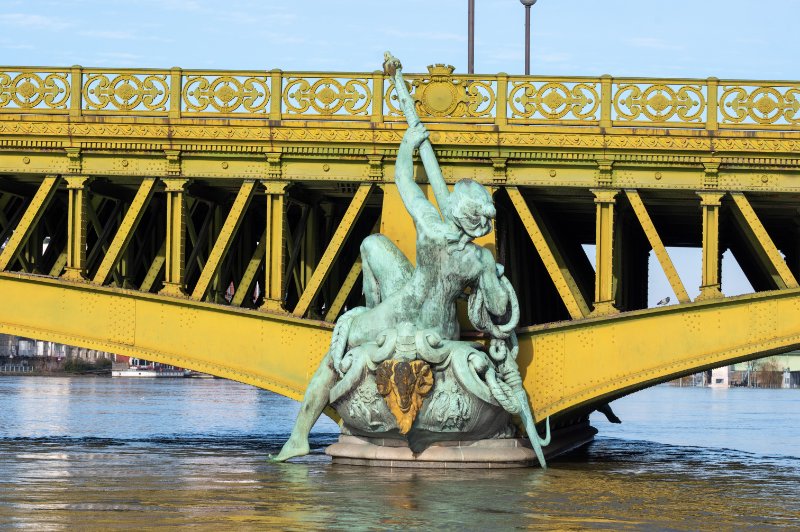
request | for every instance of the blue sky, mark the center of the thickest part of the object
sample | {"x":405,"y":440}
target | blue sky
{"x":679,"y":38}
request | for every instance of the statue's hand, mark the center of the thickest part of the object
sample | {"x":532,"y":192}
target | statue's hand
{"x":415,"y":135}
{"x":500,"y":270}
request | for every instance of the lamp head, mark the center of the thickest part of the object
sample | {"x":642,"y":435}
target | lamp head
{"x":527,"y":3}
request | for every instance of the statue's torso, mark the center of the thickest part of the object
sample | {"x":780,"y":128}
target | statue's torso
{"x":428,"y":299}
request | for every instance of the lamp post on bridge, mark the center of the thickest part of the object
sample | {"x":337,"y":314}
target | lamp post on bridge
{"x":470,"y":36}
{"x":527,"y":4}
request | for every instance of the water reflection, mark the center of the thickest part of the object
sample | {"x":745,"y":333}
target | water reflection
{"x":183,"y":453}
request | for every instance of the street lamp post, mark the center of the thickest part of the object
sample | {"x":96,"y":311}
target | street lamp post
{"x":471,"y":37}
{"x":527,"y":4}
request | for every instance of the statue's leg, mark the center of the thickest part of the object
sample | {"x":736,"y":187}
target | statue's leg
{"x":385,"y":268}
{"x":314,"y":402}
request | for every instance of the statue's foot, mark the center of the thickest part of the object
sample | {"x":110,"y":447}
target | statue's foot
{"x":293,"y":447}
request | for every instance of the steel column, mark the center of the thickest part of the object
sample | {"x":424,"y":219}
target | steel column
{"x":77,"y":218}
{"x":176,"y":237}
{"x":274,"y":246}
{"x":710,"y":284}
{"x":604,"y":293}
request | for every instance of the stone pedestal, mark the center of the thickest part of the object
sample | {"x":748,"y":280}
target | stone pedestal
{"x":485,"y":454}
{"x":495,"y":453}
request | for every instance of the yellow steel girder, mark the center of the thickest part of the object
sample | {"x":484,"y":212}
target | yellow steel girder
{"x":765,"y":250}
{"x":548,"y":251}
{"x":126,"y":229}
{"x":566,"y":366}
{"x":271,"y":351}
{"x":27,"y":223}
{"x":658,"y":247}
{"x":242,"y":289}
{"x":585,"y":363}
{"x":332,"y":251}
{"x":224,"y":239}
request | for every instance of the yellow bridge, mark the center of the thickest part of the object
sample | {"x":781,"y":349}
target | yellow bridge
{"x":211,"y":220}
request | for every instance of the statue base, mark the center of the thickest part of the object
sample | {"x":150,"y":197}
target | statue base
{"x":483,"y":454}
{"x":497,"y":453}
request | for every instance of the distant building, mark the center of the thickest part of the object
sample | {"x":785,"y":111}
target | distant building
{"x":18,"y":347}
{"x":778,"y":371}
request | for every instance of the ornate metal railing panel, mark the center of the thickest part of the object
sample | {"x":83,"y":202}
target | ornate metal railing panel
{"x":39,"y":90}
{"x":441,"y":96}
{"x":220,"y":94}
{"x":664,"y":103}
{"x":323,"y":95}
{"x":759,"y":105}
{"x":568,"y":101}
{"x":121,"y":91}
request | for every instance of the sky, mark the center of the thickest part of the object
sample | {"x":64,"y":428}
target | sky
{"x":731,"y":39}
{"x":679,"y":38}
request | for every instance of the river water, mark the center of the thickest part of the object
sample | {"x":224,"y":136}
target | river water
{"x":97,"y":453}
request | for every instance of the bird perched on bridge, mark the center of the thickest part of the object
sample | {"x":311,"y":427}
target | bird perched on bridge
{"x":390,"y":64}
{"x":663,"y":302}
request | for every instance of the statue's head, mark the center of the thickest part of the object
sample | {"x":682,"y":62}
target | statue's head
{"x":471,"y":208}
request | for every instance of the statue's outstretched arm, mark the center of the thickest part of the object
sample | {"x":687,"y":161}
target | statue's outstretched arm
{"x":414,"y":199}
{"x":434,"y":172}
{"x":393,"y":68}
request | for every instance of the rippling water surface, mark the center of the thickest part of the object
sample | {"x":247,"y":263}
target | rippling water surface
{"x":82,"y":453}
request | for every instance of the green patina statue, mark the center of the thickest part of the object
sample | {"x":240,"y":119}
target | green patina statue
{"x":397,"y":367}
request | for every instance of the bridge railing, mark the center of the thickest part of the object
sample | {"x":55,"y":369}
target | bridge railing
{"x":441,"y":95}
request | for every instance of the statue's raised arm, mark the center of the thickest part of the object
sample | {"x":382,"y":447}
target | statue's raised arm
{"x":393,"y":69}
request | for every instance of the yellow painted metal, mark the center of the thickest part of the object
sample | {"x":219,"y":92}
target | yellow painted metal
{"x":362,"y":96}
{"x":28,"y":222}
{"x":272,"y":351}
{"x":275,"y":242}
{"x":126,"y":229}
{"x":78,"y":200}
{"x":243,"y":288}
{"x":344,"y":291}
{"x":658,"y":247}
{"x":176,"y":237}
{"x":604,"y":286}
{"x":332,"y":251}
{"x":722,"y":141}
{"x":710,"y":284}
{"x":103,"y":233}
{"x":154,"y":269}
{"x":224,"y":239}
{"x":581,"y":364}
{"x":577,"y":364}
{"x":396,"y":223}
{"x":58,"y":265}
{"x":548,"y":251}
{"x":765,"y":249}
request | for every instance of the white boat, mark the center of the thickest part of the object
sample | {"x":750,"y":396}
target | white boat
{"x":150,"y":372}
